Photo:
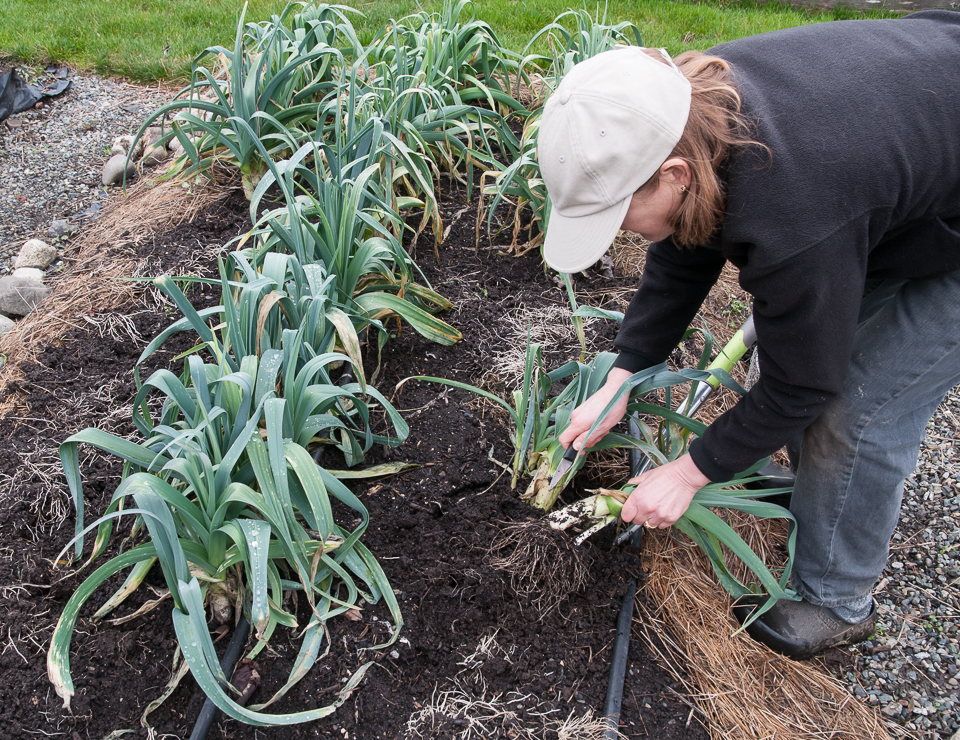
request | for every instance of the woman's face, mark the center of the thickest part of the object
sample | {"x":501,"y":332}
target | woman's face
{"x":651,"y":209}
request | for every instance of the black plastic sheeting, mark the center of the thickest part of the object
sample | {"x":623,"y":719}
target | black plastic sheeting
{"x":17,"y":95}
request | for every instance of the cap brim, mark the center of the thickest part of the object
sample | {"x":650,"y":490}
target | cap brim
{"x":573,"y":244}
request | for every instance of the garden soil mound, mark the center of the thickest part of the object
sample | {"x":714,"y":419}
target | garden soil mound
{"x":473,"y":655}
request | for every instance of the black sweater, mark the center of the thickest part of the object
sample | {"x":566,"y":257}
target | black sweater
{"x":863,"y":122}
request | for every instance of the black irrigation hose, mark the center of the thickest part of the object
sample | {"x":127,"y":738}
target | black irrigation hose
{"x":208,"y":712}
{"x":621,"y":645}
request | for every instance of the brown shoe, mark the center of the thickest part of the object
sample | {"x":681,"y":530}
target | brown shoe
{"x":799,"y":629}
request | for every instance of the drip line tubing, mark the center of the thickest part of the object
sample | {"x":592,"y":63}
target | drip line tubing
{"x":621,"y":645}
{"x":208,"y":713}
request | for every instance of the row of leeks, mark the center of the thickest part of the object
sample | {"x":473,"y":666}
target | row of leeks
{"x":439,"y":84}
{"x":247,"y":508}
{"x":221,"y":489}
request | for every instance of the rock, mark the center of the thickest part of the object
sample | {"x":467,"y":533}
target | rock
{"x":35,"y":253}
{"x":29,"y":273}
{"x":176,"y":148}
{"x":60,"y":227}
{"x":153,"y":155}
{"x":122,"y":144}
{"x":892,"y":709}
{"x":151,"y":136}
{"x":114,"y":168}
{"x":6,"y":324}
{"x":19,"y":296}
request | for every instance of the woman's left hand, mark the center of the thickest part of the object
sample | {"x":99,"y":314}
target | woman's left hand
{"x":664,"y":493}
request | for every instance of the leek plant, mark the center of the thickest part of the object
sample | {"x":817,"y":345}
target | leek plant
{"x":448,"y":51}
{"x":445,"y":122}
{"x":667,"y":440}
{"x":590,"y":36}
{"x":234,"y":507}
{"x":538,"y":417}
{"x":372,"y":276}
{"x":520,"y":185}
{"x":546,"y":452}
{"x":275,"y":75}
{"x":298,"y":336}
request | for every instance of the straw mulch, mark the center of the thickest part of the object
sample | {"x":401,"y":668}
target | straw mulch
{"x":99,"y":259}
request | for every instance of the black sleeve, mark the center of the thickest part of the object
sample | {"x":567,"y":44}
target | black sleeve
{"x":805,"y":311}
{"x":674,"y":284}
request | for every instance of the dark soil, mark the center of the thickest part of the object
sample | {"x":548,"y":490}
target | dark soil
{"x":431,"y":528}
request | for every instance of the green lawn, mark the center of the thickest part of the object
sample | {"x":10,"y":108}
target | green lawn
{"x":156,"y":39}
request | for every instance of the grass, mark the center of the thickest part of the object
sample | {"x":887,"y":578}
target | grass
{"x":149,"y":40}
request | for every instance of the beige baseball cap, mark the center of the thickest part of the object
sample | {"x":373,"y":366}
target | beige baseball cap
{"x":610,"y":124}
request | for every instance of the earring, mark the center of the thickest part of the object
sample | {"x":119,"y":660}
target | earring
{"x":683,"y":188}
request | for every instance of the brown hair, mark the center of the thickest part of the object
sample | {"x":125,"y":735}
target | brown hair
{"x":715,"y":126}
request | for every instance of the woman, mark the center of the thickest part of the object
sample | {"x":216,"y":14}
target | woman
{"x":824,"y":163}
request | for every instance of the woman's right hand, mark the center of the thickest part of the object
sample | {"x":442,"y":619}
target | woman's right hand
{"x":589,"y":411}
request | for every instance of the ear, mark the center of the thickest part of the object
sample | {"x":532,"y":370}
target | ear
{"x":676,"y":171}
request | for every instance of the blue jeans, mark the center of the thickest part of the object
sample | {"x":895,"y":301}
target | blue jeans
{"x":855,"y":457}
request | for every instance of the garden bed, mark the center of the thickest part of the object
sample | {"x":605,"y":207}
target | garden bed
{"x":469,"y":639}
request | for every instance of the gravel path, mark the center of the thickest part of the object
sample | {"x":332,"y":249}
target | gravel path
{"x":51,"y":157}
{"x":50,"y":164}
{"x":911,"y":668}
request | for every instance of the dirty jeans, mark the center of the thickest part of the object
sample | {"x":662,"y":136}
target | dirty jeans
{"x":855,"y":457}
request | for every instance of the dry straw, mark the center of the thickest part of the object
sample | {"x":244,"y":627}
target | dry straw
{"x":103,"y":253}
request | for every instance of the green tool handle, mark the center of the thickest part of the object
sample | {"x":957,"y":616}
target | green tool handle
{"x":731,"y":353}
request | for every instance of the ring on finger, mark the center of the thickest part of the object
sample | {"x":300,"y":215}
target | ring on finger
{"x":648,"y":525}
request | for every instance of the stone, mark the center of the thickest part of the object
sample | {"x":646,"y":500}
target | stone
{"x":35,"y":253}
{"x":59,"y":228}
{"x":114,"y":168}
{"x":153,"y":155}
{"x":152,"y":135}
{"x":6,"y":324}
{"x":19,"y":296}
{"x":29,"y":273}
{"x":176,"y":148}
{"x":892,"y":709}
{"x":122,"y":144}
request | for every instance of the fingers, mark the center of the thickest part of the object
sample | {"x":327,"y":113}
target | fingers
{"x":661,"y":496}
{"x":570,"y":434}
{"x":576,"y":432}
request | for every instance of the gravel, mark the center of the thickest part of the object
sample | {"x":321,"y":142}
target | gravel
{"x":911,"y":668}
{"x":50,"y":167}
{"x":51,"y":156}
